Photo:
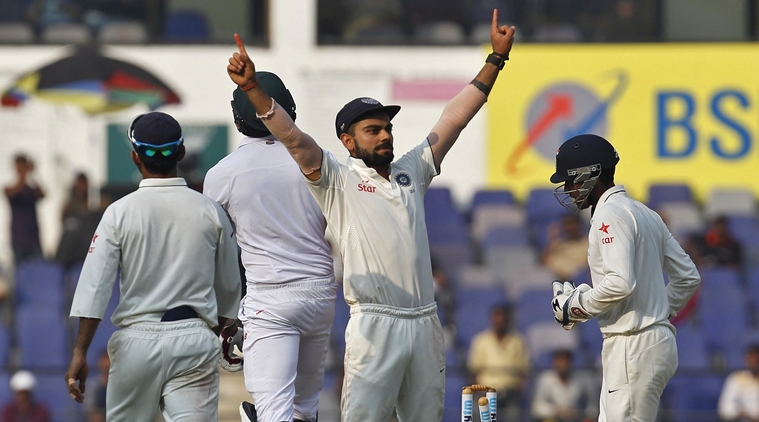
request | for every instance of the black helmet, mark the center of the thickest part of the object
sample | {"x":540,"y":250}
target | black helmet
{"x":244,"y":113}
{"x":581,"y":151}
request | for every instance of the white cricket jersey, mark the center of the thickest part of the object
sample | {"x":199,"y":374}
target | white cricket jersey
{"x":279,"y":226}
{"x":629,"y":248}
{"x":174,"y":247}
{"x":380,"y":227}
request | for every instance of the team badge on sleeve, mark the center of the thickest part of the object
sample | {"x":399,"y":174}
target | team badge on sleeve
{"x":403,"y":179}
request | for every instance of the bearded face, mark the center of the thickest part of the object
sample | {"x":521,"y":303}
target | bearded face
{"x":381,"y":155}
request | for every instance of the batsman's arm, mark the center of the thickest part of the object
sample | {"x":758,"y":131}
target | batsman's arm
{"x":76,"y":375}
{"x":462,"y":108}
{"x":301,"y":146}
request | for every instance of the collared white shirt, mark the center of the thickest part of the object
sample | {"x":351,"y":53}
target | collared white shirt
{"x":380,"y":227}
{"x":629,"y":248}
{"x":279,"y":226}
{"x":173,"y":246}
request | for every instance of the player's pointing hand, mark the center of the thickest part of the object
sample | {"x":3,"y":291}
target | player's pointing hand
{"x":501,"y":37}
{"x":241,"y":69}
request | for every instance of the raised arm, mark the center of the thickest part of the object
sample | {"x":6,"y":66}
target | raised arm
{"x":302,"y":147}
{"x":462,"y":108}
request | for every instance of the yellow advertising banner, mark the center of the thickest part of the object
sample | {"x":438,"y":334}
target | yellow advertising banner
{"x":676,"y":113}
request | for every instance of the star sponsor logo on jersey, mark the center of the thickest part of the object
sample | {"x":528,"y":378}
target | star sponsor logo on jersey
{"x":605,"y":228}
{"x":92,"y":247}
{"x":364,"y":187}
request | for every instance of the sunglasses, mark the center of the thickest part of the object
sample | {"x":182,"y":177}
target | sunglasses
{"x":150,"y":150}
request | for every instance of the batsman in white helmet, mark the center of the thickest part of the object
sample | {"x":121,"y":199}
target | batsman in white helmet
{"x":630,"y":249}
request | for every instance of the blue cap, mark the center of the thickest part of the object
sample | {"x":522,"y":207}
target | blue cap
{"x":351,"y":112}
{"x":155,"y":128}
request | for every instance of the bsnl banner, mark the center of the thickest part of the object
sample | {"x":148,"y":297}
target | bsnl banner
{"x":677,"y":113}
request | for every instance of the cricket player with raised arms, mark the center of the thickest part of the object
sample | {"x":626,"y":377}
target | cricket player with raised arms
{"x":395,"y":356}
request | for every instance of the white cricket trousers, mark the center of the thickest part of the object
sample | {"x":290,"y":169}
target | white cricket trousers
{"x":168,"y":365}
{"x":636,"y":368}
{"x":394,"y":358}
{"x":285,"y":348}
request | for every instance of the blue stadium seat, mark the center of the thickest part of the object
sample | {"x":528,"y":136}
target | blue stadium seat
{"x":745,"y":228}
{"x":534,"y":306}
{"x":752,"y":284}
{"x":454,"y":381}
{"x":735,"y":357}
{"x":41,"y":337}
{"x":437,"y":201}
{"x":591,"y":340}
{"x":506,"y":236}
{"x":473,"y":306}
{"x":5,"y":388}
{"x":186,"y":26}
{"x":666,"y":193}
{"x":451,"y":258}
{"x":39,"y":284}
{"x":693,"y":398}
{"x":692,"y":353}
{"x":542,"y":207}
{"x":447,"y":231}
{"x":491,"y":196}
{"x":5,"y":346}
{"x":722,"y":308}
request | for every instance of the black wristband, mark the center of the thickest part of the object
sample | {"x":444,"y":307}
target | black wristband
{"x":501,"y":56}
{"x":495,"y":61}
{"x":481,"y":86}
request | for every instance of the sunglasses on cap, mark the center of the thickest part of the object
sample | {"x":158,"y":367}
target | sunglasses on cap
{"x":150,"y":150}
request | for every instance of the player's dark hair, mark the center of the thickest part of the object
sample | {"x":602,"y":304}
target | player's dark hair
{"x":607,"y":176}
{"x":158,"y":164}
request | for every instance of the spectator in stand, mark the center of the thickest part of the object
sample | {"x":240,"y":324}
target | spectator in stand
{"x":23,"y":196}
{"x":564,"y":395}
{"x":24,"y":408}
{"x":739,"y":400}
{"x":79,"y":224}
{"x":499,"y":358}
{"x":716,"y":247}
{"x":566,"y":253}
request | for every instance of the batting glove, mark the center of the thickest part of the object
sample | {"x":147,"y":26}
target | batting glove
{"x":567,"y":309}
{"x":231,"y":358}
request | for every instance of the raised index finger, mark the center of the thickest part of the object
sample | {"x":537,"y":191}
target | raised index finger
{"x":494,"y":24}
{"x":240,"y":45}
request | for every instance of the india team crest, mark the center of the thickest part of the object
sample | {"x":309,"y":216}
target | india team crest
{"x":403,"y":179}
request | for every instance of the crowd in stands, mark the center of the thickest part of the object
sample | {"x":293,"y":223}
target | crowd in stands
{"x":363,"y":22}
{"x":493,"y":267}
{"x":468,"y":22}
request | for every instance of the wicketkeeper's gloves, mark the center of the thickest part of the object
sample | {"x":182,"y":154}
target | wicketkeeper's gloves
{"x":567,"y":309}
